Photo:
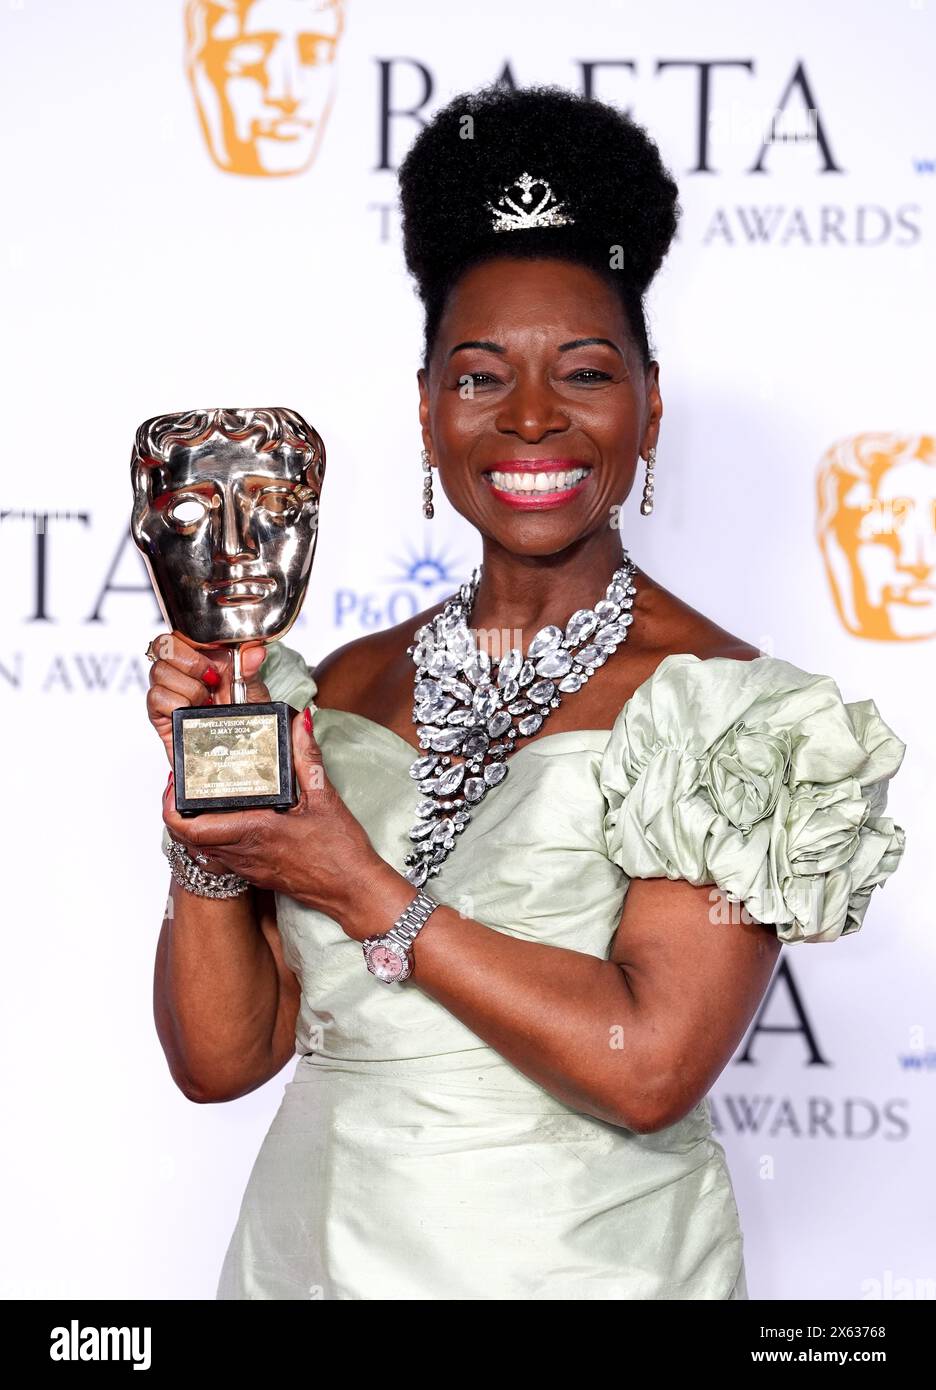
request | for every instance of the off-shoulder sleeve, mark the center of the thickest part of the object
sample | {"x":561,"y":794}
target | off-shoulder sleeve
{"x":287,"y":677}
{"x":758,"y":777}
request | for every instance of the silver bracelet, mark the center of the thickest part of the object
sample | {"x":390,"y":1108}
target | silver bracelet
{"x":196,"y":880}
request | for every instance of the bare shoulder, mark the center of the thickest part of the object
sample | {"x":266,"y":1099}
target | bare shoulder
{"x":665,"y":624}
{"x":364,"y":673}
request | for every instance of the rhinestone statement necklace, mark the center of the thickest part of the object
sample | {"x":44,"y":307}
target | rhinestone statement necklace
{"x":467,"y":704}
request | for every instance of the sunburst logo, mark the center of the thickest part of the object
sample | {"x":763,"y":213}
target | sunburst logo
{"x":427,"y":568}
{"x":263,"y":78}
{"x":876,"y":527}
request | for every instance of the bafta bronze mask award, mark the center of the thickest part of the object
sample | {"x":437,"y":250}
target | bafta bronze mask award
{"x":225,"y":513}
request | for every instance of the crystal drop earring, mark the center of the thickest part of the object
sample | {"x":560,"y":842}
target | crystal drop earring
{"x":646,"y":503}
{"x":428,"y":510}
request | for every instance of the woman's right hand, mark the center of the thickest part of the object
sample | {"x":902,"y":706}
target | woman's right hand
{"x":183,"y":676}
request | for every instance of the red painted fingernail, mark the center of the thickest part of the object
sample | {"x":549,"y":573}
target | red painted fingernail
{"x":211,"y":678}
{"x":168,"y":785}
{"x":209,"y":701}
{"x":307,"y":719}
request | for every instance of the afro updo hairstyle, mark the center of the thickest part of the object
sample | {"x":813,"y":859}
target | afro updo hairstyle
{"x":603,"y":167}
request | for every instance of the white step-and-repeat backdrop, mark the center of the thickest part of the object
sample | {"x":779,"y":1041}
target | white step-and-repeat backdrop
{"x":200,"y":210}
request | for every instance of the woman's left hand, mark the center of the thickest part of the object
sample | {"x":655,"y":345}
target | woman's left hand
{"x":317,"y":852}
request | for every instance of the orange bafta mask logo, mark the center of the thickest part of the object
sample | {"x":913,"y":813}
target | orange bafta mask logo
{"x":877,"y":533}
{"x":263,"y":75}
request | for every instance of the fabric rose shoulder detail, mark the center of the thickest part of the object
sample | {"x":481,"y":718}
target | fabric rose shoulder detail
{"x":755,"y":776}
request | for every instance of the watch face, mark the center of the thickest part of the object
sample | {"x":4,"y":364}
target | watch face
{"x":385,"y":963}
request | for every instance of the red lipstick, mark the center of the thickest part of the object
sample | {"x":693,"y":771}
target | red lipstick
{"x":537,"y":501}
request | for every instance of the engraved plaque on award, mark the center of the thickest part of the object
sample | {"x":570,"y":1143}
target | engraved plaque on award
{"x":225,"y":513}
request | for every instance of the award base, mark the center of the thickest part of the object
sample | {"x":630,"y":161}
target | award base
{"x":233,"y":758}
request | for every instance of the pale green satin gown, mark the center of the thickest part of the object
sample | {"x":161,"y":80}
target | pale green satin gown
{"x":408,"y":1159}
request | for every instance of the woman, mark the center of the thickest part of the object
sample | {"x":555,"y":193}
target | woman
{"x":509,"y":1101}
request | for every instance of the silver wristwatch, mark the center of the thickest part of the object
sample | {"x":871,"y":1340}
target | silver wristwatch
{"x":189,"y":875}
{"x":389,"y":956}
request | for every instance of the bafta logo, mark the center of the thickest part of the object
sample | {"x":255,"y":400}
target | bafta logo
{"x":876,"y":528}
{"x":263,"y":77}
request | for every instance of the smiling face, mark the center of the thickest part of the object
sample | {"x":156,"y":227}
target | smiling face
{"x":537,"y":405}
{"x":228,"y":531}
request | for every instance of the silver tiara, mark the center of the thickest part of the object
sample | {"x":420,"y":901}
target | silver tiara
{"x":509,"y":217}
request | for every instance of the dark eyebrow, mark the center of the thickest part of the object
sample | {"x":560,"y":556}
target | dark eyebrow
{"x":488,"y":346}
{"x":588,"y":342}
{"x":477,"y":343}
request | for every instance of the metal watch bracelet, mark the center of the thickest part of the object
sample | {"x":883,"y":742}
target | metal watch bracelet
{"x":412,"y":919}
{"x":398,"y":941}
{"x":194,"y":879}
